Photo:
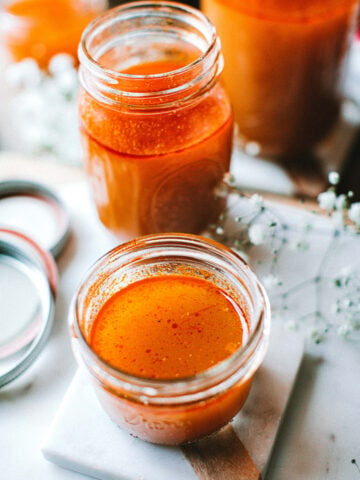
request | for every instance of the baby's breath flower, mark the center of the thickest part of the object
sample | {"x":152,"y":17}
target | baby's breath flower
{"x":327,"y":200}
{"x":344,"y":277}
{"x":350,"y":329}
{"x":257,"y":201}
{"x":354,"y":213}
{"x":346,"y":303}
{"x":208,"y":233}
{"x":340,"y":313}
{"x":62,"y":62}
{"x":344,"y":330}
{"x":40,"y":129}
{"x":341,"y":202}
{"x":252,"y":149}
{"x":270,"y":281}
{"x":334,"y":178}
{"x":258,"y":234}
{"x":347,"y":271}
{"x":67,"y":82}
{"x":24,"y":74}
{"x":317,"y":334}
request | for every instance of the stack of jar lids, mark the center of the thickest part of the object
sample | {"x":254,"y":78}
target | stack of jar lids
{"x":34,"y":227}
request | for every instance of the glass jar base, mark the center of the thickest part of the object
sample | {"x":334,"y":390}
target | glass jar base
{"x":177,"y":425}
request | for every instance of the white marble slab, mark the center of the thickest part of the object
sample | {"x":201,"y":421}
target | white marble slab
{"x":82,"y":438}
{"x":319,"y":435}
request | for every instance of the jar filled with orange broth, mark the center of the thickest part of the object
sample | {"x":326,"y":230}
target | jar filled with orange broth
{"x":156,"y":123}
{"x":40,"y":29}
{"x":285,"y":65}
{"x":172,"y":328}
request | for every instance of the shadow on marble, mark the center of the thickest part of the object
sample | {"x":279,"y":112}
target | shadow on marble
{"x":306,"y":458}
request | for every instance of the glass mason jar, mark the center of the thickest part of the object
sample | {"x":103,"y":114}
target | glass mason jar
{"x":173,"y":411}
{"x":284,"y":69}
{"x":40,"y":29}
{"x":156,"y":123}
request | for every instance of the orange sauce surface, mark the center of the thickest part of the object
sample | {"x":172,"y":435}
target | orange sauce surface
{"x":284,"y":61}
{"x":42,"y":28}
{"x":158,"y":67}
{"x":170,"y":327}
{"x":167,"y":327}
{"x":156,"y":171}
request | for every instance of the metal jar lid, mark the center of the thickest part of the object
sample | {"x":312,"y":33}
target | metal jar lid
{"x":35,"y":210}
{"x":28,"y":273}
{"x":26,"y":309}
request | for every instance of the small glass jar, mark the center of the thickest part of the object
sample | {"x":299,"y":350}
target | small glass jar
{"x":178,"y":410}
{"x":40,"y":29}
{"x":156,"y":123}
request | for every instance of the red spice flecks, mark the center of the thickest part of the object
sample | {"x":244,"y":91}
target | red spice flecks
{"x":205,"y":327}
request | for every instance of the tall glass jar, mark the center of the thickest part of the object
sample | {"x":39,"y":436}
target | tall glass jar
{"x":156,"y":123}
{"x":178,"y":410}
{"x":40,"y":29}
{"x":284,"y":67}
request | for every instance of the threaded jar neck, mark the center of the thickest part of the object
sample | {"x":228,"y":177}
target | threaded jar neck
{"x":141,"y":33}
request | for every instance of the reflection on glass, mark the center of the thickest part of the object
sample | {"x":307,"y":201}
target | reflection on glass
{"x":19,"y":308}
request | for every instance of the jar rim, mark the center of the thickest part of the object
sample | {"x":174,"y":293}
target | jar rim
{"x":170,"y":89}
{"x":87,"y":58}
{"x":219,"y":373}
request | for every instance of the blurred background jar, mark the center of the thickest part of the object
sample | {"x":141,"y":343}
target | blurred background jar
{"x":40,"y":29}
{"x":39,"y":82}
{"x":156,"y":123}
{"x":284,"y":69}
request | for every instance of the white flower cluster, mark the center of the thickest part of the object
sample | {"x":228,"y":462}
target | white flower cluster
{"x":354,"y":213}
{"x":259,"y":233}
{"x":338,"y":205}
{"x":251,"y":223}
{"x":347,"y":306}
{"x":271,"y":281}
{"x":42,"y":108}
